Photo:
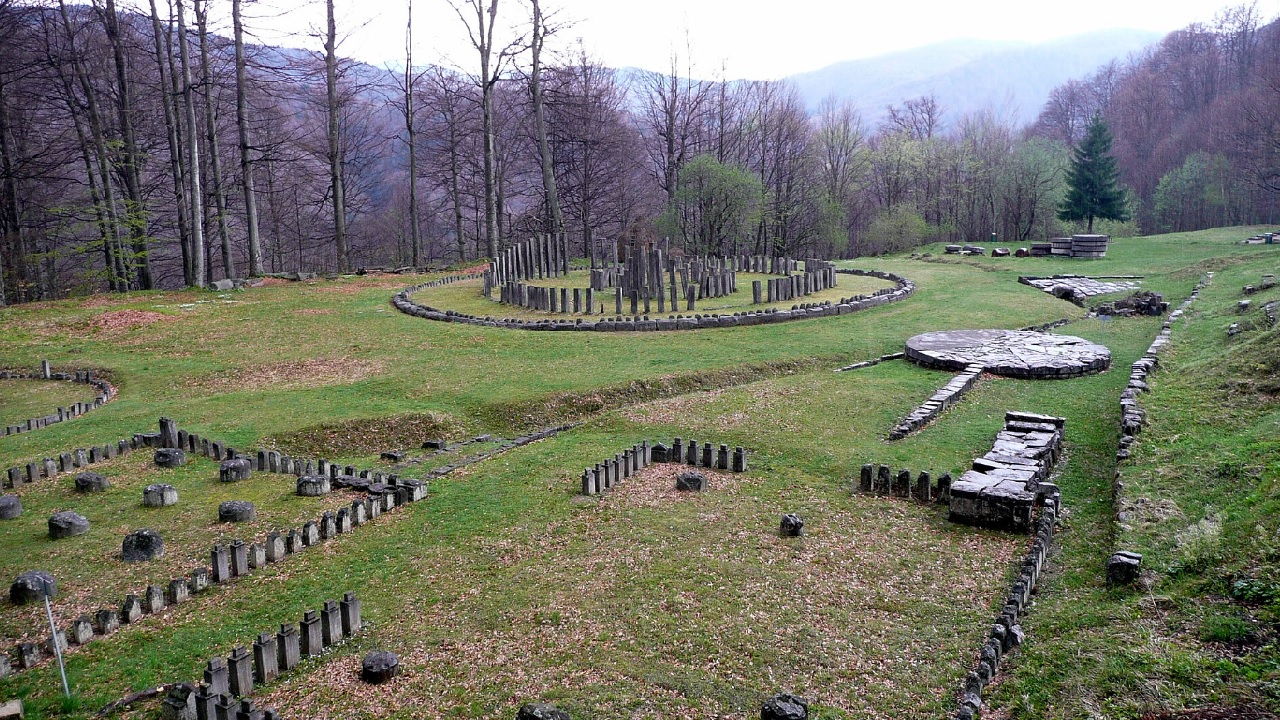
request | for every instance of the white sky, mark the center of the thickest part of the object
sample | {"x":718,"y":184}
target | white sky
{"x":751,"y":39}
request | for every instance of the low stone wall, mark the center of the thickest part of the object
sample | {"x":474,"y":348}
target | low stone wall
{"x":1004,"y":486}
{"x":610,"y":471}
{"x":1266,"y":238}
{"x":872,"y":362}
{"x":403,"y":301}
{"x":1006,"y":634}
{"x":947,"y":396}
{"x":46,"y":372}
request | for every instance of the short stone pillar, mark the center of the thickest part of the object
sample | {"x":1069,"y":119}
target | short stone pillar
{"x":153,"y":600}
{"x":81,"y":630}
{"x":312,"y":638}
{"x":159,"y":495}
{"x":330,"y":623}
{"x":216,"y":677}
{"x":170,"y":457}
{"x":67,"y":524}
{"x":350,"y":608}
{"x":275,"y":550}
{"x":220,"y":564}
{"x":791,"y":525}
{"x":266,"y":666}
{"x":106,"y":621}
{"x":141,"y":546}
{"x":131,"y":609}
{"x":288,"y":647}
{"x":379,"y":666}
{"x":239,"y":556}
{"x":785,"y":707}
{"x":179,"y":703}
{"x":240,"y":671}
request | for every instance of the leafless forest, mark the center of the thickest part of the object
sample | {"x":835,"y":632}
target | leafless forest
{"x":140,"y":150}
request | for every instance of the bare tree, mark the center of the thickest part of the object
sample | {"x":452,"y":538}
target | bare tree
{"x":338,"y":192}
{"x":538,"y":38}
{"x":246,"y":163}
{"x":198,"y":252}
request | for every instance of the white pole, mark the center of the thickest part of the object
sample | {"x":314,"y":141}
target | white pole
{"x":57,"y":646}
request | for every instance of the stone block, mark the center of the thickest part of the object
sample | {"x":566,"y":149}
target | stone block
{"x":234,"y":470}
{"x":236,"y":511}
{"x":28,"y":655}
{"x":159,"y":495}
{"x":785,"y":707}
{"x":311,"y":634}
{"x":1123,"y":568}
{"x":170,"y":457}
{"x":313,"y":485}
{"x":153,"y":600}
{"x":31,"y":586}
{"x":179,"y":591}
{"x":239,"y":556}
{"x":219,"y":564}
{"x":691,"y":481}
{"x":142,"y":546}
{"x":791,"y":525}
{"x":67,"y":524}
{"x":240,"y":671}
{"x":310,"y":533}
{"x":106,"y":621}
{"x":266,"y":666}
{"x":275,"y":549}
{"x":350,"y":610}
{"x":217,"y":678}
{"x":330,"y":623}
{"x":179,"y":703}
{"x":379,"y":666}
{"x":81,"y":630}
{"x":131,"y":609}
{"x":257,"y":556}
{"x":199,"y":580}
{"x":288,"y":647}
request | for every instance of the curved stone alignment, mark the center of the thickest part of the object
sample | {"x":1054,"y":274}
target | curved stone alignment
{"x":107,"y":394}
{"x":404,"y":302}
{"x":1012,"y":353}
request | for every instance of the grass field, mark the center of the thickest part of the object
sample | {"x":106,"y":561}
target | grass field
{"x":21,"y":400}
{"x":505,"y":586}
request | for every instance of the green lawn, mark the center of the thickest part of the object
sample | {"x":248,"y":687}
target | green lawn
{"x":21,"y":400}
{"x":505,"y":586}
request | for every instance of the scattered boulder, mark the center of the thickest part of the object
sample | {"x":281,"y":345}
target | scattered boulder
{"x":67,"y":524}
{"x":394,"y":456}
{"x":435,"y":445}
{"x":541,"y":711}
{"x":379,"y":666}
{"x":691,"y":481}
{"x":790,"y":526}
{"x":785,"y":707}
{"x":159,"y":495}
{"x":236,"y":511}
{"x":91,"y":482}
{"x":234,"y":470}
{"x":1123,"y":568}
{"x":30,"y":587}
{"x":142,"y":545}
{"x":313,"y":485}
{"x":10,"y":507}
{"x":170,"y":458}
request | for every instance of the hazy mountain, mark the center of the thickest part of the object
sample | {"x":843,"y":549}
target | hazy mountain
{"x":968,"y":75}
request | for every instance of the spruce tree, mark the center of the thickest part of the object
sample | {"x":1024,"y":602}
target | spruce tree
{"x":1093,"y":189}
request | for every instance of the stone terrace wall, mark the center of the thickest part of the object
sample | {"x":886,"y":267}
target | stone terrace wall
{"x":1004,"y":486}
{"x":403,"y":301}
{"x":107,"y":393}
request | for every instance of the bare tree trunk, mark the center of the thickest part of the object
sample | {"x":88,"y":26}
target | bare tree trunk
{"x":415,"y":236}
{"x":540,"y":121}
{"x":193,"y":157}
{"x":11,"y":220}
{"x":117,"y":278}
{"x":335,"y":159}
{"x":211,"y":131}
{"x":135,"y":208}
{"x":246,"y":166}
{"x":169,"y":99}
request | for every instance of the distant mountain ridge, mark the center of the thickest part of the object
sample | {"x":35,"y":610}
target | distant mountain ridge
{"x":1014,"y":78}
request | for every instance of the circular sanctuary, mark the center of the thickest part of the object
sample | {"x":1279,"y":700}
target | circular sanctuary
{"x":622,"y":289}
{"x":1012,"y":353}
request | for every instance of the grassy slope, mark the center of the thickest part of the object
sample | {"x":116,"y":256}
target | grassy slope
{"x":504,"y":557}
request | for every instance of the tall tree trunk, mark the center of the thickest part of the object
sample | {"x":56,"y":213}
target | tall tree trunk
{"x":193,"y":157}
{"x":246,"y":165}
{"x":487,"y":82}
{"x":549,"y":188}
{"x":211,"y":132}
{"x":415,"y":236}
{"x":116,"y":268}
{"x":168,"y":100}
{"x":335,"y":158}
{"x":10,"y":211}
{"x":135,"y":206}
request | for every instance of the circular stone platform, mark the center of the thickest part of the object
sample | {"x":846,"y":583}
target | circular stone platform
{"x":1013,"y":353}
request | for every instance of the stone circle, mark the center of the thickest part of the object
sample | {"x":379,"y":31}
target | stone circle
{"x":234,"y":470}
{"x":142,"y":545}
{"x":10,"y":507}
{"x":691,"y":481}
{"x":236,"y":511}
{"x":91,"y":482}
{"x":159,"y":495}
{"x":379,"y":666}
{"x":30,"y":587}
{"x":541,"y":711}
{"x":313,"y":485}
{"x":791,"y":525}
{"x":1012,"y":353}
{"x":170,"y":458}
{"x":67,"y":524}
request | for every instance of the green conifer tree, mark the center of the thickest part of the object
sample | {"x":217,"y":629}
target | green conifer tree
{"x":1093,"y":188}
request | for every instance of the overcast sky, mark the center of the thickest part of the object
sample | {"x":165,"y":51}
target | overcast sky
{"x":756,"y":40}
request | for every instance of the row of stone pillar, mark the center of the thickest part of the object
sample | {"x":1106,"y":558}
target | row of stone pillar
{"x":881,"y":480}
{"x":604,"y":475}
{"x":84,"y":377}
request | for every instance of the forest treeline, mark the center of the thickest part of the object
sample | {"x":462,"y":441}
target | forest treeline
{"x":140,"y":149}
